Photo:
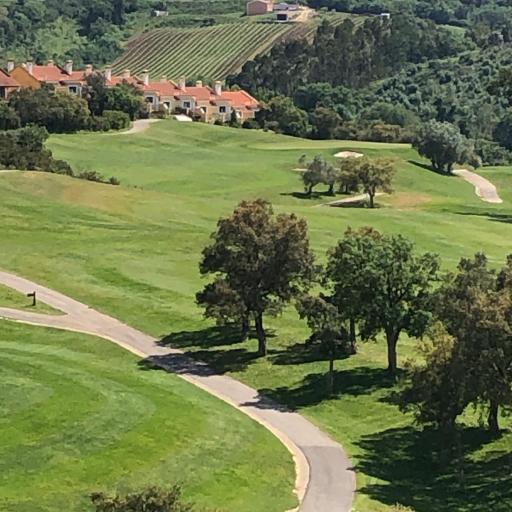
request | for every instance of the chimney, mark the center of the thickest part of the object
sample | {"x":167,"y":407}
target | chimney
{"x":10,"y":65}
{"x":163,"y":79}
{"x":68,"y":67}
{"x":199,"y":83}
{"x":218,"y":88}
{"x":108,"y":73}
{"x":145,"y":76}
{"x":29,"y":65}
{"x":182,"y":83}
{"x":126,"y":74}
{"x":50,"y":63}
{"x":88,"y":70}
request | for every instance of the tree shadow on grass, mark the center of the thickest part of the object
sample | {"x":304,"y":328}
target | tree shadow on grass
{"x":305,"y":195}
{"x":301,"y":353}
{"x":427,"y":472}
{"x":209,"y":337}
{"x":360,"y":203}
{"x":313,"y":388}
{"x":495,"y":217}
{"x":429,"y":168}
{"x":205,"y":341}
{"x":201,"y":362}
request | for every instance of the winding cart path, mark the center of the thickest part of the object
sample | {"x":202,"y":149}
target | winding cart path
{"x":325,"y":479}
{"x":484,"y":189}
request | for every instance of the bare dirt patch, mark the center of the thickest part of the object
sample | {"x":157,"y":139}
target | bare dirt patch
{"x":409,"y":201}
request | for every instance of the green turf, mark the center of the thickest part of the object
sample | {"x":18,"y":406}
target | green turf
{"x":79,"y":415}
{"x":132,"y":251}
{"x":10,"y":298}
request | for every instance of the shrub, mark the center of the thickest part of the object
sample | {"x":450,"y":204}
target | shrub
{"x":9,"y":119}
{"x":492,"y":153}
{"x":99,"y":124}
{"x":91,"y":175}
{"x":117,"y":120}
{"x":58,"y":113}
{"x":152,"y":499}
{"x":251,"y":124}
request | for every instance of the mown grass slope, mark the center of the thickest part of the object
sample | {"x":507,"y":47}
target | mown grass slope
{"x":132,"y":251}
{"x":79,"y":415}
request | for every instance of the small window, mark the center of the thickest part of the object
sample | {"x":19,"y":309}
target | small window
{"x":186,"y":104}
{"x":73,"y":89}
{"x":150,"y":99}
{"x":222,"y":109}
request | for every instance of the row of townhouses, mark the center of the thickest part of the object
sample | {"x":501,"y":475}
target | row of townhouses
{"x":201,"y":101}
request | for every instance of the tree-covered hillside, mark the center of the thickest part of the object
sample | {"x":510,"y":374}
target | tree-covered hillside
{"x":496,"y":14}
{"x":380,"y":81}
{"x":464,"y":91}
{"x":92,"y":31}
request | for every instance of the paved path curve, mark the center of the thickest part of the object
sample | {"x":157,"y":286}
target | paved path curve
{"x":352,"y":199}
{"x":484,"y":189}
{"x":325,"y":479}
{"x":139,"y":126}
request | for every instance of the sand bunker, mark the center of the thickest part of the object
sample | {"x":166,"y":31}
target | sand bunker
{"x":348,"y":154}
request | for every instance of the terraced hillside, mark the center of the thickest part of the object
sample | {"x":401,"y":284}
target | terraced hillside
{"x":207,"y":52}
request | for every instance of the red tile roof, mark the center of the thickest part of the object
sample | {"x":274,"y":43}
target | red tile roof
{"x":199,"y":93}
{"x":6,"y":80}
{"x":239,"y":99}
{"x":50,"y":73}
{"x":161,"y":88}
{"x":75,"y":76}
{"x":116,"y":80}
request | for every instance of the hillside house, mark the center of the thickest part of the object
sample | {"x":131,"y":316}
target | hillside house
{"x":7,"y":85}
{"x":199,"y":101}
{"x":63,"y":78}
{"x":259,"y":7}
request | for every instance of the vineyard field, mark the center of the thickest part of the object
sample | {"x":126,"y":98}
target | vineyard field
{"x":206,"y":52}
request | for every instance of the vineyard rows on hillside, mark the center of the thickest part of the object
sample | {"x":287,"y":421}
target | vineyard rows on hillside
{"x":207,"y":52}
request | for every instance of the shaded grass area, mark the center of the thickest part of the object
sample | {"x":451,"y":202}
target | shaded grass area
{"x":132,"y":251}
{"x":77,"y":416}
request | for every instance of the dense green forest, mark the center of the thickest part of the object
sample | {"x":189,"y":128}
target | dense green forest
{"x":478,"y":14}
{"x":92,"y":31}
{"x":382,"y":79}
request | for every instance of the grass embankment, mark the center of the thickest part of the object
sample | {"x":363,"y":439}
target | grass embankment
{"x":10,"y":298}
{"x":132,"y":251}
{"x":78,"y":415}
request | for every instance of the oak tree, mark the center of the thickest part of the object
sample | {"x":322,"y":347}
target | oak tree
{"x":327,"y":327}
{"x":374,"y":176}
{"x":260,"y":261}
{"x":386,"y":284}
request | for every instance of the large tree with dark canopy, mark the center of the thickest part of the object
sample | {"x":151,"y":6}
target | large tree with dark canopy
{"x":443,"y":145}
{"x":386,"y":285}
{"x":260,"y":262}
{"x":475,"y":304}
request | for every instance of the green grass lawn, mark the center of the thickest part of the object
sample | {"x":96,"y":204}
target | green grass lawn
{"x":10,"y":298}
{"x":132,"y":251}
{"x":78,"y":415}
